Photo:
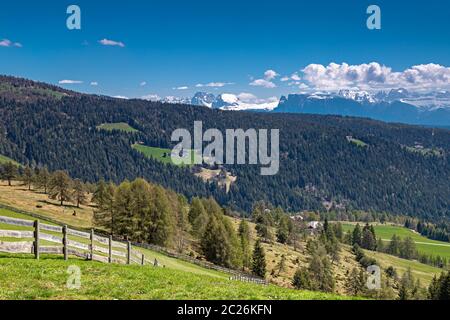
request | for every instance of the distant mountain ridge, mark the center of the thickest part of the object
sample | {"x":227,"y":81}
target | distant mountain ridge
{"x":396,"y":105}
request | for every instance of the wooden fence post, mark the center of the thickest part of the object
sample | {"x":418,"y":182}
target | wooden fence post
{"x":92,"y":244}
{"x":143,"y":259}
{"x":36,"y":239}
{"x":65,"y":243}
{"x":110,"y":250}
{"x":129,"y":253}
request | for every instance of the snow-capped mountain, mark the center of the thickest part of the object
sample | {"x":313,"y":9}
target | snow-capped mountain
{"x":175,"y":100}
{"x":360,"y":96}
{"x":228,"y":101}
{"x":203,"y":99}
{"x":397,"y":105}
{"x":223,"y":101}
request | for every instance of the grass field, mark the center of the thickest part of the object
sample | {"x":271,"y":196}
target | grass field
{"x":160,"y":154}
{"x":4,"y":159}
{"x":357,"y":142}
{"x":424,"y":245}
{"x":36,"y":202}
{"x":163,"y":260}
{"x":26,"y":278}
{"x":120,"y":126}
{"x":419,"y":270}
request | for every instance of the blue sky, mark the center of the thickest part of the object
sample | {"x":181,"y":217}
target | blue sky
{"x":227,"y":44}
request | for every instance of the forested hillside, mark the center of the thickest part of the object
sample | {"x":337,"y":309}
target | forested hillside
{"x":390,"y":171}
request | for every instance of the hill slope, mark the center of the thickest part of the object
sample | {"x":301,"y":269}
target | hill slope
{"x":318,"y":163}
{"x":25,"y":278}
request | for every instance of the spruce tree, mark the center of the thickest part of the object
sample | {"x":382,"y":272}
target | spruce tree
{"x":301,"y":279}
{"x":259,"y":260}
{"x":357,"y":235}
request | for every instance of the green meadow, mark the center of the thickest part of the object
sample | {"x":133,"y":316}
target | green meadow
{"x":4,"y":159}
{"x":120,"y":126}
{"x":23,"y":278}
{"x":160,"y":154}
{"x":424,"y":245}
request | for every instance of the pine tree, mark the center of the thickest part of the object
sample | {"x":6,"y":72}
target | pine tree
{"x":104,"y":214}
{"x":198,"y":217}
{"x":339,"y":233}
{"x":42,"y":179}
{"x":321,"y":273}
{"x":406,"y":286}
{"x":355,"y":282}
{"x":281,"y":266}
{"x":123,"y":222}
{"x":215,"y":242}
{"x":301,"y":280}
{"x":162,"y":227}
{"x":28,"y":177}
{"x":245,"y":237}
{"x":79,"y":193}
{"x":394,"y":246}
{"x":408,"y":249}
{"x":368,"y":241}
{"x":259,"y":260}
{"x":60,"y":187}
{"x":357,"y":235}
{"x":10,"y":172}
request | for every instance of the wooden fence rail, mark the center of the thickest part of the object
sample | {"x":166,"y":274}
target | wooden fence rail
{"x":99,"y":248}
{"x":93,"y":250}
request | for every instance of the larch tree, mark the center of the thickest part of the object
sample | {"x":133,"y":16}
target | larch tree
{"x":60,"y":187}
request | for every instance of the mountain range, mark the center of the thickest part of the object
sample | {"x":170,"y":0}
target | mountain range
{"x":396,"y":105}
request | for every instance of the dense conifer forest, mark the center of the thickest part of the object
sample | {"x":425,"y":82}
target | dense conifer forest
{"x":42,"y":125}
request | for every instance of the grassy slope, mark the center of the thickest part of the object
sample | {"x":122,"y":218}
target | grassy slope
{"x":164,"y":260}
{"x":121,"y":126}
{"x":4,"y":159}
{"x":299,"y":258}
{"x":19,"y":197}
{"x":160,"y":154}
{"x":273,"y":252}
{"x":23,"y":278}
{"x":420,"y":271}
{"x":423,"y":244}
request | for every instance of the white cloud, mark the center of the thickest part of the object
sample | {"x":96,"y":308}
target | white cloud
{"x":263,"y":83}
{"x":303,"y":86}
{"x":70,"y":82}
{"x":266,"y":82}
{"x":295,"y":77}
{"x":143,"y":84}
{"x":151,"y":97}
{"x":214,"y":84}
{"x":284,"y":79}
{"x":8,"y":43}
{"x":107,"y":42}
{"x":94,"y":83}
{"x":270,"y":75}
{"x":181,"y":88}
{"x":121,"y":97}
{"x":374,"y":76}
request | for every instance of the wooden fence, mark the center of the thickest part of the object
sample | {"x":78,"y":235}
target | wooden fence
{"x":97,"y":246}
{"x":92,"y":247}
